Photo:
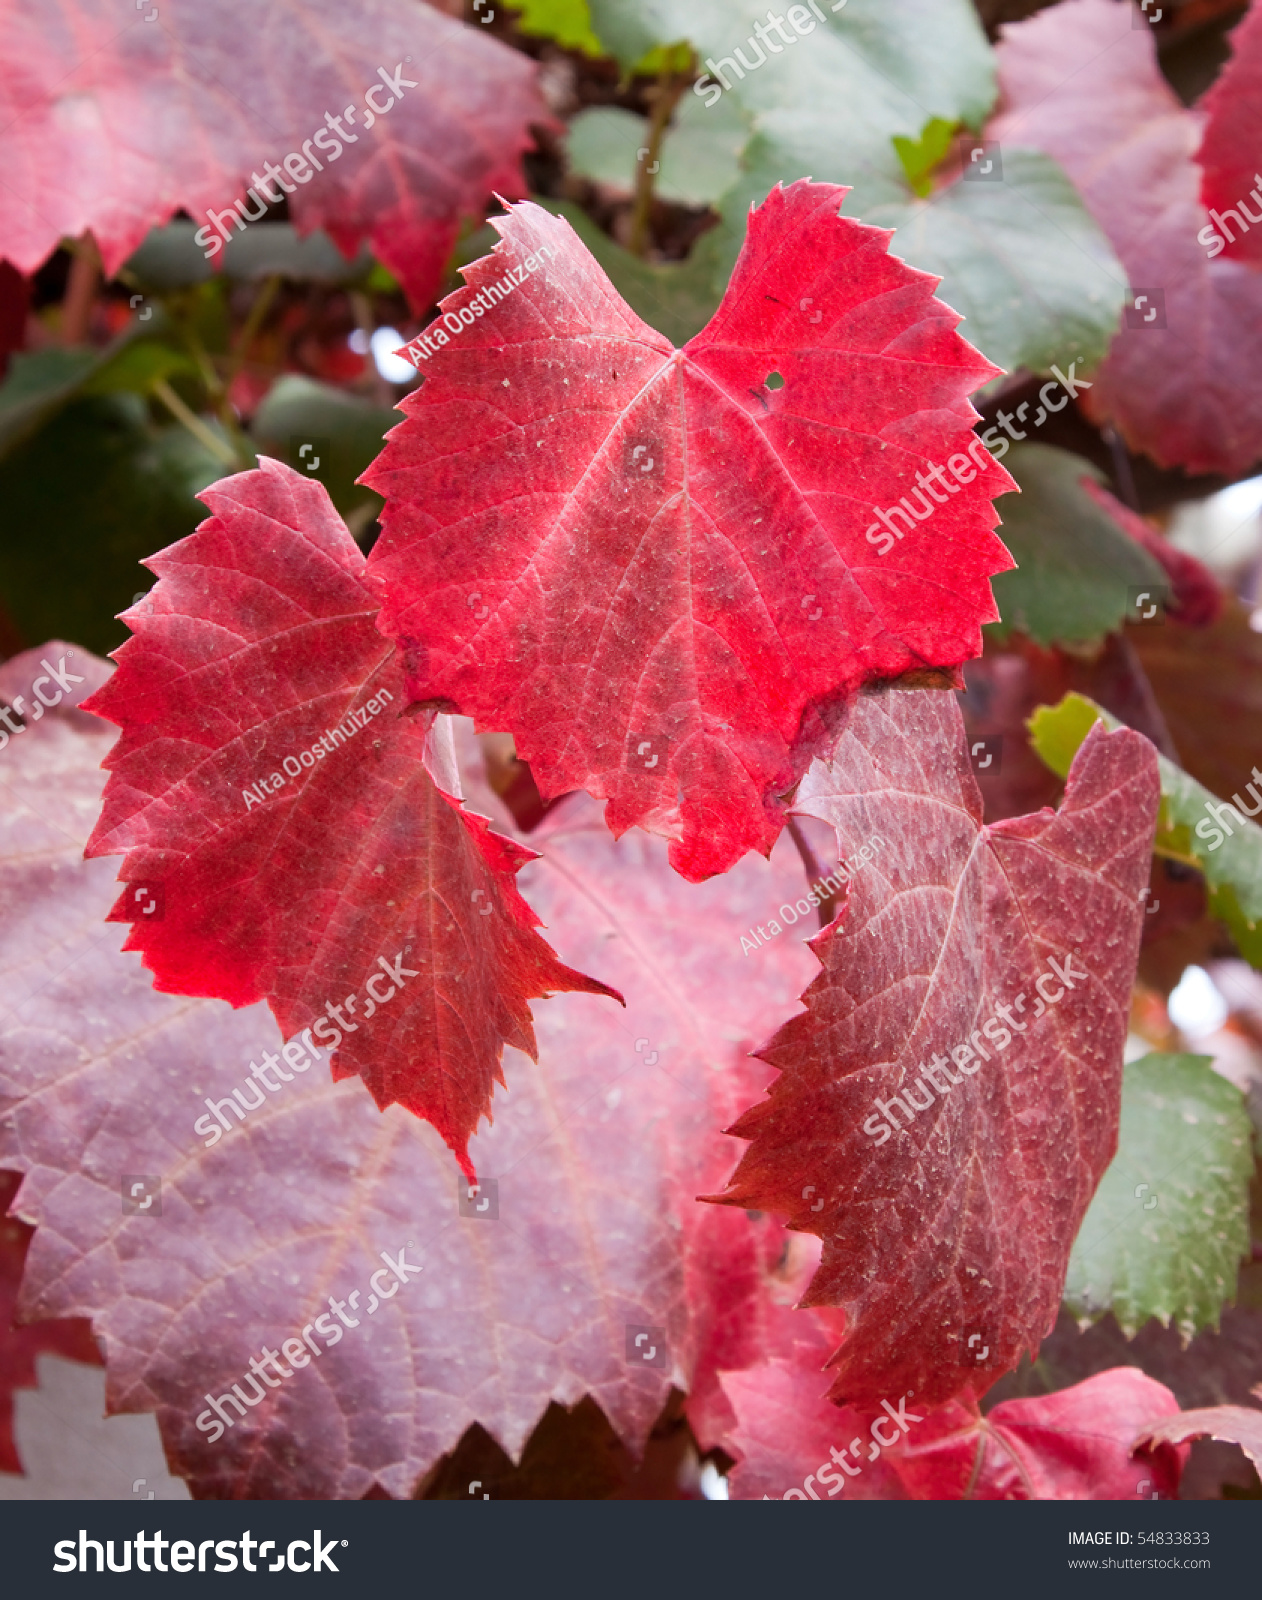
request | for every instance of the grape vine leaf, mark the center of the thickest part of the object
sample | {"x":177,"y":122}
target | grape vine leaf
{"x":1208,"y":682}
{"x":1075,"y":568}
{"x":1082,"y":84}
{"x":1074,"y":1444}
{"x":1240,"y":1425}
{"x":675,"y":297}
{"x":266,"y":778}
{"x":1008,"y":684}
{"x":951,"y":1233}
{"x":1169,"y":1224}
{"x":923,"y":156}
{"x":113,"y":128}
{"x":785,"y":1434}
{"x":612,"y":1134}
{"x":1195,"y":827}
{"x":1228,"y":156}
{"x":658,"y":572}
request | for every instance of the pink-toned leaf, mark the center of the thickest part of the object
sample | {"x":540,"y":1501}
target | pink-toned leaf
{"x":113,"y":122}
{"x":947,"y":1242}
{"x":786,"y":1434}
{"x":1229,"y":150}
{"x":1075,"y":1444}
{"x":650,"y":567}
{"x":353,"y":895}
{"x":1082,"y":84}
{"x":1240,"y":1425}
{"x":611,"y":1135}
{"x":1072,"y":1445}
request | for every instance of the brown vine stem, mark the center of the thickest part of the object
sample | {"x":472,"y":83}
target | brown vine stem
{"x":664,"y":97}
{"x":814,"y":872}
{"x":80,"y":296}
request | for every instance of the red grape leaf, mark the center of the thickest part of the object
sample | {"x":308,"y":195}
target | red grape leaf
{"x":1082,"y":84}
{"x":353,"y":877}
{"x":1233,"y":138}
{"x":1208,"y":682}
{"x":1072,"y":1445}
{"x":71,"y":1338}
{"x":1240,"y":1425}
{"x":1075,"y":1444}
{"x":650,"y":567}
{"x":102,"y":1076}
{"x":113,"y":124}
{"x":786,"y":1431}
{"x":952,"y":1236}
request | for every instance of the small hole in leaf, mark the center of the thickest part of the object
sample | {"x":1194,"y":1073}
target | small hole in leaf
{"x":773,"y":381}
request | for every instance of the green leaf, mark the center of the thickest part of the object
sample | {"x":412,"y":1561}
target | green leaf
{"x":41,"y":383}
{"x":1022,"y":261}
{"x":664,"y":59}
{"x":676,"y":299}
{"x":1168,"y":1226}
{"x":170,"y":258}
{"x":566,"y":21}
{"x":138,"y":367}
{"x":85,"y":500}
{"x":920,"y":157}
{"x":37,"y":385}
{"x":344,"y":435}
{"x":1187,"y":829}
{"x":700,"y":154}
{"x":829,"y":105}
{"x":1074,"y":564}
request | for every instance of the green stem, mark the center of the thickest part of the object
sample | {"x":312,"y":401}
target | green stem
{"x":222,"y":451}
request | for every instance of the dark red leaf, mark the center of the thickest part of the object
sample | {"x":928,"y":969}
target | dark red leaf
{"x":652,"y":568}
{"x":352,"y":894}
{"x":1208,"y":682}
{"x":950,"y":1236}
